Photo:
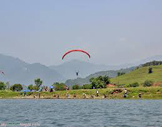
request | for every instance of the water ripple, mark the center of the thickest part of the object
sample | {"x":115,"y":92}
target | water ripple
{"x":83,"y":113}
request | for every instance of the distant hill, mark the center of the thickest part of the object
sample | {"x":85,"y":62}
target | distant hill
{"x":140,"y":75}
{"x":18,"y":71}
{"x":111,"y":73}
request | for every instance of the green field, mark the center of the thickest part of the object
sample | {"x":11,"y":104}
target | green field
{"x":147,"y":93}
{"x":140,"y":75}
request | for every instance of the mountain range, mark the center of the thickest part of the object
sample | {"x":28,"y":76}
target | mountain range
{"x":18,"y":71}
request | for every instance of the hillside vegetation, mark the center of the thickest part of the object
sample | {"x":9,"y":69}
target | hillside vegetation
{"x":110,"y":73}
{"x":140,"y":75}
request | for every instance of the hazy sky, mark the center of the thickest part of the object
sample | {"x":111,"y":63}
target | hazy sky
{"x":112,"y":31}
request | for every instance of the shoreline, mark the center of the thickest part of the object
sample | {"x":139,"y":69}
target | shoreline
{"x":19,"y":98}
{"x":154,"y":93}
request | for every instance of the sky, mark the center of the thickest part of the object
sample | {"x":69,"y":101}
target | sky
{"x":113,"y":31}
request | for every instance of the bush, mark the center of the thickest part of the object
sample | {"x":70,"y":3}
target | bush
{"x":2,"y":86}
{"x":133,"y":85}
{"x":35,"y":88}
{"x":59,"y":86}
{"x":148,"y":83}
{"x":75,"y":87}
{"x":87,"y":86}
{"x":16,"y":87}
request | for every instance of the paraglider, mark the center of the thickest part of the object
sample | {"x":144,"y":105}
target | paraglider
{"x":76,"y":50}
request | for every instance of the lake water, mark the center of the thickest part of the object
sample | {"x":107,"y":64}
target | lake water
{"x":81,"y":113}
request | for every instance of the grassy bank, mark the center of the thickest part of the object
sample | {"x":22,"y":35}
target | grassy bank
{"x":140,"y":75}
{"x":147,"y":93}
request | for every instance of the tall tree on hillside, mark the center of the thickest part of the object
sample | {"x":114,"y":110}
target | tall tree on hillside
{"x":150,"y":70}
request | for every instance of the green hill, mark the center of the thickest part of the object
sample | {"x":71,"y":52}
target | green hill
{"x":140,"y":75}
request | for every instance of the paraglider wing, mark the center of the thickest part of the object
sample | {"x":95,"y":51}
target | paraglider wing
{"x":77,"y":50}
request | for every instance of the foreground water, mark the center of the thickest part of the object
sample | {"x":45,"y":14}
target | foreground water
{"x":78,"y":113}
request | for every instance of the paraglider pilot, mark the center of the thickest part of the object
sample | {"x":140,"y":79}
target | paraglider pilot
{"x":77,"y":73}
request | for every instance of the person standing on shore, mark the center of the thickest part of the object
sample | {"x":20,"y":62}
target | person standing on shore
{"x":74,"y":95}
{"x":84,"y":95}
{"x":139,"y":95}
{"x":39,"y":94}
{"x":97,"y":93}
{"x":24,"y":93}
{"x":104,"y":96}
{"x":125,"y":93}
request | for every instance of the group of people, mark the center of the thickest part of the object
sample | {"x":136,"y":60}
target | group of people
{"x":125,"y":95}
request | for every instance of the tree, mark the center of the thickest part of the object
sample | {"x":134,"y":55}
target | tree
{"x":38,"y":82}
{"x":106,"y":80}
{"x":2,"y":86}
{"x":31,"y":87}
{"x":100,"y":82}
{"x":150,"y":70}
{"x":16,"y":87}
{"x":93,"y":83}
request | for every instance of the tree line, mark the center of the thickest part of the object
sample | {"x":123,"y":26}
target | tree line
{"x":95,"y":83}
